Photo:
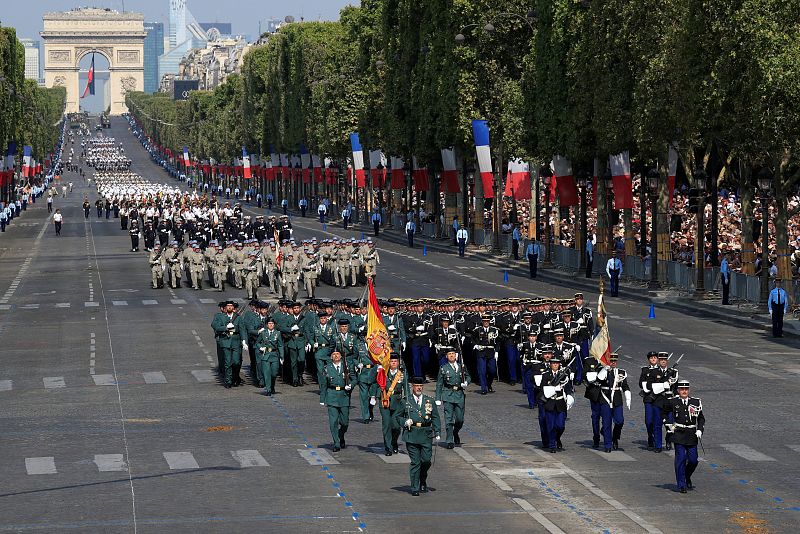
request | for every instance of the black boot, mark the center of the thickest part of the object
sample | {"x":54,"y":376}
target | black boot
{"x":668,"y":441}
{"x":617,"y":433}
{"x":595,"y":442}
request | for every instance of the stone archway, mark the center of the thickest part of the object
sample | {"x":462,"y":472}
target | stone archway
{"x":71,"y":35}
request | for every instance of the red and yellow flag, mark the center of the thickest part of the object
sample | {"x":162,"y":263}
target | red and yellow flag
{"x":378,"y":343}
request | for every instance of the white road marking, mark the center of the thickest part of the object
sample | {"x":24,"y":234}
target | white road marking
{"x":759,"y":362}
{"x":746,"y":452}
{"x":614,"y":456}
{"x":149,"y":302}
{"x":119,"y":302}
{"x":249,"y":458}
{"x":181,"y":460}
{"x":43,"y":465}
{"x":665,"y":333}
{"x":104,"y":380}
{"x":795,"y":448}
{"x":501,"y":485}
{"x":465,"y":455}
{"x":761,"y":373}
{"x":30,"y":307}
{"x":154,"y":377}
{"x":208,"y":301}
{"x":709,"y":347}
{"x":91,"y":304}
{"x":684,"y":339}
{"x":110,"y":462}
{"x":6,"y":385}
{"x":54,"y":382}
{"x":203,"y":375}
{"x":733,"y":354}
{"x":5,"y":306}
{"x":537,"y":515}
{"x":178,"y":301}
{"x":317,"y":457}
{"x":63,"y":304}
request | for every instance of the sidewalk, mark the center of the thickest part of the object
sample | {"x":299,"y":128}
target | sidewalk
{"x":747,"y":316}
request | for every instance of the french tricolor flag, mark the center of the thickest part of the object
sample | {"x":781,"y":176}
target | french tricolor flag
{"x":358,"y":160}
{"x":316,"y":164}
{"x":246,"y":164}
{"x":398,"y":173}
{"x":305,"y":162}
{"x":565,"y":182}
{"x":449,"y":172}
{"x":186,"y":160}
{"x":10,"y":153}
{"x":518,"y":180}
{"x":621,"y":175}
{"x":26,"y":161}
{"x":480,"y":132}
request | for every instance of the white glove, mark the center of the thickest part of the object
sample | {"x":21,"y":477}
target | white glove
{"x":260,"y":329}
{"x":570,"y":401}
{"x":263,"y":349}
{"x":348,"y":387}
{"x":230,"y":326}
{"x":392,"y":328}
{"x":362,"y":328}
{"x":558,"y":388}
{"x":308,"y":347}
{"x":409,"y":422}
{"x":463,"y":384}
{"x":360,"y":366}
{"x":438,"y":438}
{"x":295,"y":328}
{"x":372,"y":401}
{"x":322,"y":404}
{"x":699,"y":434}
{"x":430,"y":343}
{"x":316,"y":345}
{"x":537,"y":379}
{"x":403,"y":345}
{"x":244,"y":345}
{"x":420,"y":328}
{"x":628,"y":399}
{"x":601,"y":375}
{"x":438,"y":403}
{"x":666,"y":385}
{"x":496,"y":355}
{"x":591,"y":376}
{"x":281,"y":360}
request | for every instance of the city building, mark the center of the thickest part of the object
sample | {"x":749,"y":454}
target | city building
{"x":214,"y":63}
{"x":33,"y":69}
{"x":153,"y":48}
{"x":215,"y":30}
{"x":184,"y":34}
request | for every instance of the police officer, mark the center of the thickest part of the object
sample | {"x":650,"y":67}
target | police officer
{"x":530,"y":355}
{"x":450,"y":387}
{"x":778,"y":305}
{"x":614,"y":270}
{"x":422,"y":426}
{"x":591,"y":367}
{"x":687,"y":431}
{"x":653,"y":381}
{"x":614,"y":389}
{"x":485,"y":339}
{"x":557,"y":397}
{"x":334,"y":393}
{"x":662,"y":399}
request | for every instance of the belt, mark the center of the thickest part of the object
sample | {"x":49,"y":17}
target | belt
{"x":338,"y":388}
{"x":297,"y":335}
{"x":368,"y":366}
{"x":456,"y":388}
{"x":421,"y":424}
{"x":684,"y":426}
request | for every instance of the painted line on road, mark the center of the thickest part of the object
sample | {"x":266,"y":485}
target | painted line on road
{"x":154,"y":377}
{"x":6,"y":385}
{"x":685,"y":339}
{"x":203,"y":375}
{"x":746,"y":452}
{"x":761,"y":373}
{"x":733,"y":354}
{"x":537,"y":515}
{"x":54,"y":382}
{"x":317,"y":457}
{"x":104,"y":380}
{"x":709,"y":347}
{"x":109,"y":462}
{"x":43,"y":465}
{"x":181,"y":460}
{"x":249,"y":458}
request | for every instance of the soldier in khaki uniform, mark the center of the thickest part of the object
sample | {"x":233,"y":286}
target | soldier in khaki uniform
{"x":197,"y":264}
{"x":370,"y":259}
{"x":310,"y":272}
{"x":290,"y":276}
{"x":354,"y":264}
{"x":239,"y":258}
{"x":173,"y":258}
{"x":157,"y":264}
{"x":422,"y":426}
{"x":341,"y":265}
{"x":252,"y":272}
{"x":219,"y":265}
{"x":450,"y":386}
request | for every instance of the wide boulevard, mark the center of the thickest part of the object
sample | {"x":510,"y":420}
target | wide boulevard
{"x":112,"y":418}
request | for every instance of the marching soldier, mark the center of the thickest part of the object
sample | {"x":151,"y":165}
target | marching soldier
{"x":157,"y":265}
{"x":269,"y":355}
{"x":290,"y":275}
{"x":134,"y":233}
{"x":687,"y":431}
{"x":367,"y":381}
{"x":557,"y":398}
{"x":322,"y":342}
{"x":567,"y":352}
{"x":613,"y":387}
{"x":252,"y":322}
{"x":227,"y":330}
{"x":392,"y":404}
{"x":219,"y":265}
{"x":485,"y":338}
{"x":345,"y":341}
{"x":592,"y":367}
{"x":252,"y":273}
{"x":197,"y":266}
{"x":529,"y":354}
{"x":422,"y":426}
{"x":538,"y":370}
{"x":295,"y":333}
{"x":394,"y":326}
{"x":444,"y":337}
{"x":450,"y":387}
{"x":335,"y":392}
{"x":653,"y":381}
{"x":238,"y":259}
{"x":310,"y":273}
{"x":173,"y":259}
{"x":671,"y":373}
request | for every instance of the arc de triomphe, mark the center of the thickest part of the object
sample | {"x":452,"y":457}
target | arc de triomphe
{"x":70,"y":36}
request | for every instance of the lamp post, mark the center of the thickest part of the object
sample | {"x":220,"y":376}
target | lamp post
{"x":764,"y":179}
{"x":699,"y":178}
{"x":583,"y":183}
{"x":547,"y":176}
{"x":652,"y":186}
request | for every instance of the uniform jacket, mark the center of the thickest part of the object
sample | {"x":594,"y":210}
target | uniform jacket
{"x":332,"y":390}
{"x":448,"y":385}
{"x":558,"y":402}
{"x":219,"y":325}
{"x":272,"y":343}
{"x":426,"y":423}
{"x":688,"y":419}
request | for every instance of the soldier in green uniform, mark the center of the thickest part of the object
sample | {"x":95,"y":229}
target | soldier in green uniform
{"x":294,"y":333}
{"x":367,"y":381}
{"x":395,"y":327}
{"x":252,"y":322}
{"x":321,"y":340}
{"x":345,"y":342}
{"x":269,"y":354}
{"x":393,"y":403}
{"x":453,"y":380}
{"x":422,"y":426}
{"x":334,"y":393}
{"x":227,"y":327}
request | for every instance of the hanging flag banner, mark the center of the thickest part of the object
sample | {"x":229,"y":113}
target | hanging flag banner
{"x":26,"y":161}
{"x":358,"y":160}
{"x":316,"y":164}
{"x":305,"y":163}
{"x":565,"y":182}
{"x":449,"y":172}
{"x":518,"y":180}
{"x":672,"y":171}
{"x":398,"y":180}
{"x":621,"y":175}
{"x":377,"y":168}
{"x":480,"y":133}
{"x":420,"y":174}
{"x":247,"y":173}
{"x":89,"y":81}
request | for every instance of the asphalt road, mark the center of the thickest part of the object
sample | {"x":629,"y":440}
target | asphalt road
{"x":112,"y":419}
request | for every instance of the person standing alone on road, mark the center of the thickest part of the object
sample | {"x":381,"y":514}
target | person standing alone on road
{"x":515,"y":238}
{"x":777,"y":305}
{"x":410,"y":229}
{"x":532,"y":253}
{"x":58,"y":219}
{"x":461,"y":239}
{"x":50,"y":203}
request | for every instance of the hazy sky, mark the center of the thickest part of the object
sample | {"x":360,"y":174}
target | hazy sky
{"x":243,"y":14}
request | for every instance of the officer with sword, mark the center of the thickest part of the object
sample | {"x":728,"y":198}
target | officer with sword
{"x":614,"y":388}
{"x":687,"y":431}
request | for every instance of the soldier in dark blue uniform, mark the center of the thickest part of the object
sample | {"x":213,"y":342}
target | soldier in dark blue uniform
{"x":687,"y":431}
{"x":529,"y":353}
{"x":537,"y":371}
{"x":614,"y":390}
{"x":557,"y":398}
{"x":485,"y":338}
{"x":652,"y":413}
{"x":591,"y":368}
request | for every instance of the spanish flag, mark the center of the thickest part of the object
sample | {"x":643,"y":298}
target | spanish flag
{"x":378,"y":344}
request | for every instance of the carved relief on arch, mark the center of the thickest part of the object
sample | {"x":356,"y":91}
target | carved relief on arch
{"x":107,"y":51}
{"x":126,"y":85}
{"x":128,"y":56}
{"x":58,"y":56}
{"x":60,"y":81}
